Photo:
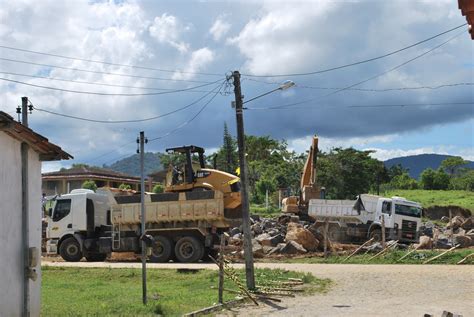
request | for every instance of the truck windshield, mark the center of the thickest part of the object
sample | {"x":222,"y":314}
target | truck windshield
{"x":62,"y":209}
{"x":405,"y":210}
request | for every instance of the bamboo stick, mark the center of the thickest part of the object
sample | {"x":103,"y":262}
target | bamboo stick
{"x":465,"y":259}
{"x":384,"y":250}
{"x":358,"y":249}
{"x":440,"y":255}
{"x":409,"y":253}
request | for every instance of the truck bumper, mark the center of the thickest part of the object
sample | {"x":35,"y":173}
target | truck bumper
{"x":52,"y":246}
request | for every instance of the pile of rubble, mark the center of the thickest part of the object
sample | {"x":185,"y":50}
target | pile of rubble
{"x":283,"y":235}
{"x":458,"y":231}
{"x":289,"y":235}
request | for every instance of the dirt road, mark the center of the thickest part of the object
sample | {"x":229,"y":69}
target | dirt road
{"x":360,"y":290}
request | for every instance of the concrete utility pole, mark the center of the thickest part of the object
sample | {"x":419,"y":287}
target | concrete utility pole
{"x":24,"y":111}
{"x":142,"y":194}
{"x":25,"y":236}
{"x":248,"y":252}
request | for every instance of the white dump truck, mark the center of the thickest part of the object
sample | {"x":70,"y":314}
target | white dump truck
{"x":362,"y":218}
{"x":183,"y":225}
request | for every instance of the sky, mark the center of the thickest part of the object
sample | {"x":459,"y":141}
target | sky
{"x":135,"y":60}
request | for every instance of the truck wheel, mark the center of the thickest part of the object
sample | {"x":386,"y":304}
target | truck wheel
{"x":70,"y":250}
{"x":336,"y":233}
{"x":188,"y":250}
{"x":96,"y":257}
{"x":162,"y":250}
{"x":376,"y":234}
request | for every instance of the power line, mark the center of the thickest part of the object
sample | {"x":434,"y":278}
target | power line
{"x":376,"y":105}
{"x":126,"y":121}
{"x":373,"y":89}
{"x":106,"y":94}
{"x":108,"y":63}
{"x":101,"y":73}
{"x":103,"y":84}
{"x":368,"y":79}
{"x":182,"y":125}
{"x":359,"y":62}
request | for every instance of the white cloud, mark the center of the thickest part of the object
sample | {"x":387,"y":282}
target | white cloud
{"x":168,"y":29}
{"x":199,"y":60}
{"x":219,"y":28}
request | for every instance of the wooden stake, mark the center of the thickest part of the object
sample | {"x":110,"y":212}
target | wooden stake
{"x":409,"y":253}
{"x":384,"y":250}
{"x":221,"y":270}
{"x":451,"y":227}
{"x":440,"y":255}
{"x":383,"y":231}
{"x":326,"y":229}
{"x":358,"y":249}
{"x":465,"y":259}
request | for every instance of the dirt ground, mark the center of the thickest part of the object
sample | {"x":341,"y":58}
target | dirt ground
{"x":357,"y":290}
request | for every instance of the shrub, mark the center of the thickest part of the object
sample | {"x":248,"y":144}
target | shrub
{"x":89,"y":185}
{"x":158,"y":188}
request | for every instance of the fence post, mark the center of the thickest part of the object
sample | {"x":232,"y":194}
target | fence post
{"x":383,"y":231}
{"x":326,"y":229}
{"x":451,"y":232}
{"x":221,"y":269}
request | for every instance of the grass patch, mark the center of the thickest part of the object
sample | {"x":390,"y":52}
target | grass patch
{"x":111,"y":292}
{"x":417,"y":257}
{"x":260,"y":210}
{"x":427,"y":198}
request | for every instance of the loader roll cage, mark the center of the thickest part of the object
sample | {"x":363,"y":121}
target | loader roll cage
{"x":189,"y":150}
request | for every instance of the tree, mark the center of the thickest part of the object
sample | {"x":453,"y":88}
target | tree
{"x":403,"y":181}
{"x":465,"y":181}
{"x":427,"y":178}
{"x":229,"y":151}
{"x":158,"y":188}
{"x":452,"y":165}
{"x":125,"y":187}
{"x":89,"y":185}
{"x":396,"y":170}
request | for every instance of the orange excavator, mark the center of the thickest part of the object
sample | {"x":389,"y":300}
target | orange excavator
{"x":308,"y":187}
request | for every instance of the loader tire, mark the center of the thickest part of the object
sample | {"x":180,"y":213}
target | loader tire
{"x":162,"y":250}
{"x":188,"y":250}
{"x":336,"y":233}
{"x":70,"y":250}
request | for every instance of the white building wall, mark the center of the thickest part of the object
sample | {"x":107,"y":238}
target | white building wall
{"x":11,"y":228}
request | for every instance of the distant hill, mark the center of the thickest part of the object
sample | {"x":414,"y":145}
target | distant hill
{"x":417,"y":163}
{"x":131,"y":164}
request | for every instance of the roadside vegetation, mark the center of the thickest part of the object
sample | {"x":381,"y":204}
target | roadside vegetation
{"x":112,"y":292}
{"x":392,"y":257}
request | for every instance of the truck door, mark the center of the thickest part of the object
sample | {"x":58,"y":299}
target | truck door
{"x":387,"y":213}
{"x":61,"y":219}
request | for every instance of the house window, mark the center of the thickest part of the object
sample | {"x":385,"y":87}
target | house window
{"x":62,"y":209}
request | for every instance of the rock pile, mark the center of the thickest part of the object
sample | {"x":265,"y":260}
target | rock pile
{"x":459,"y":230}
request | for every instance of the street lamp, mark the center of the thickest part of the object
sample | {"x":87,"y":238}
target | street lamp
{"x":248,"y":252}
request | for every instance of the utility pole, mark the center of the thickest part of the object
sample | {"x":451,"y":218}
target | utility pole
{"x":24,"y":111}
{"x":142,"y":195}
{"x":248,"y":252}
{"x":25,"y":219}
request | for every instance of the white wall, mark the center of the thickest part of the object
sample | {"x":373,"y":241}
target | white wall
{"x":11,"y":228}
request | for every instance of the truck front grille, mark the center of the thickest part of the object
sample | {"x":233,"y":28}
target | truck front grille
{"x":408,"y":229}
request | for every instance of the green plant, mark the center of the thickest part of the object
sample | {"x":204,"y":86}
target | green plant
{"x":125,"y":187}
{"x":89,"y":185}
{"x":158,"y":188}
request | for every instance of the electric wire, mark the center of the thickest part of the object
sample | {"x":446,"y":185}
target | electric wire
{"x":108,"y":63}
{"x":100,"y":72}
{"x":104,"y":84}
{"x":360,"y":62}
{"x":107,"y":94}
{"x":366,"y":80}
{"x":182,"y":125}
{"x":127,"y":121}
{"x":376,"y":105}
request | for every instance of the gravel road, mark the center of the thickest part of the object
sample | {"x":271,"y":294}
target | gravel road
{"x":358,"y":290}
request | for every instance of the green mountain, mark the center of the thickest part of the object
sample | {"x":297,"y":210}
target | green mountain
{"x":131,"y":165}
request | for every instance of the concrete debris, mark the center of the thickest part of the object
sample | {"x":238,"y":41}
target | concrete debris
{"x":425,"y":243}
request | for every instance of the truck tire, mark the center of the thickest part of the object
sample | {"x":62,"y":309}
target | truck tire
{"x":70,"y":250}
{"x":336,"y":233}
{"x":376,"y":234}
{"x":162,"y":250}
{"x":188,"y":250}
{"x":96,"y":257}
